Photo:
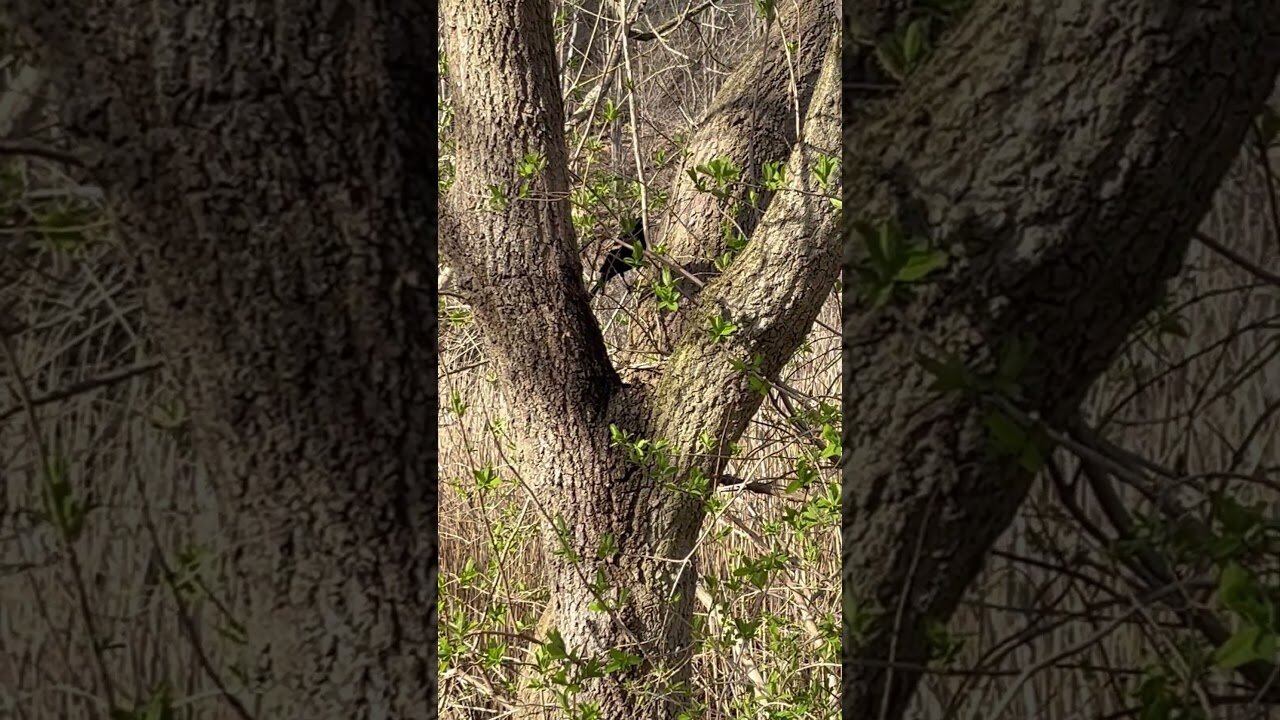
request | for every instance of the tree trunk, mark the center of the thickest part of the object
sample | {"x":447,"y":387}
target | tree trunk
{"x":619,"y":525}
{"x":754,"y":120}
{"x":1062,"y":154}
{"x":275,"y":185}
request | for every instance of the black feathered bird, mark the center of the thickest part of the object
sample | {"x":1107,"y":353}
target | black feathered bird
{"x":621,"y":257}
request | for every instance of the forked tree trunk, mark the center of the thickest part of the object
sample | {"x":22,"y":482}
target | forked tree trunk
{"x":274,"y":179}
{"x":1062,"y":153}
{"x":518,"y":267}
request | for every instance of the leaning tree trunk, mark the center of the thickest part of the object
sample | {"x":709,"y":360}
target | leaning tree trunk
{"x":620,"y":518}
{"x":1062,"y":153}
{"x":274,"y":180}
{"x":753,"y":121}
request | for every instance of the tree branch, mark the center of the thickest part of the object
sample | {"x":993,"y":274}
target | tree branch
{"x":1063,"y":205}
{"x":41,"y":151}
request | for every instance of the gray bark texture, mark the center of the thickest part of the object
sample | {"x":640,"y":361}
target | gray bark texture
{"x":273,"y":177}
{"x":1062,"y":153}
{"x":754,"y":120}
{"x":518,"y":268}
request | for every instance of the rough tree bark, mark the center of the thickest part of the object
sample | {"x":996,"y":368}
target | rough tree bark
{"x":274,"y":178}
{"x":1062,"y":153}
{"x":755,"y":119}
{"x":517,"y":265}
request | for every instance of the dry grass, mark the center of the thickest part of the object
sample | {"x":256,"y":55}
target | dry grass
{"x":799,"y":668}
{"x":83,"y":330}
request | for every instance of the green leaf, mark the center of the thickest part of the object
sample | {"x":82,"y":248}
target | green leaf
{"x":554,"y":646}
{"x":620,"y":660}
{"x":831,"y":437}
{"x":1236,"y":519}
{"x":891,"y":57}
{"x":1031,"y":459}
{"x":1240,"y":593}
{"x":1015,"y":358}
{"x":1268,"y":124}
{"x":1249,"y":643}
{"x":1006,"y":434}
{"x":881,"y":296}
{"x":893,"y":245}
{"x":746,"y":629}
{"x":919,"y":265}
{"x":913,"y":44}
{"x":1233,"y":585}
{"x":949,"y":374}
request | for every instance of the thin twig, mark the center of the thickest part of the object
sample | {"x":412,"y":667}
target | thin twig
{"x":668,"y":26}
{"x":1235,"y":257}
{"x":187,"y":621}
{"x":83,"y":386}
{"x":40,"y":151}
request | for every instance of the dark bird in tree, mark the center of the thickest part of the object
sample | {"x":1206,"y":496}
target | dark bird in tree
{"x":624,"y":254}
